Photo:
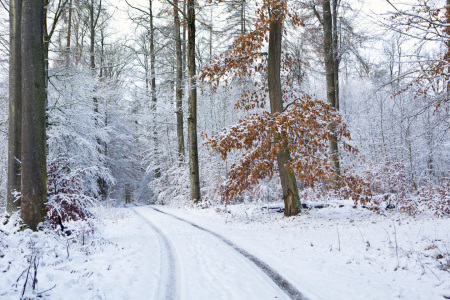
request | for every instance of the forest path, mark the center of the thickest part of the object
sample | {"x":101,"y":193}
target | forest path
{"x":167,"y":287}
{"x":205,"y":265}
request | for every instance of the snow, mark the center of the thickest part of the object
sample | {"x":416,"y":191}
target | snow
{"x":140,"y":253}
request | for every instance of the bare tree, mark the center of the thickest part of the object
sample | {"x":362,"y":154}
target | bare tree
{"x":179,"y":79}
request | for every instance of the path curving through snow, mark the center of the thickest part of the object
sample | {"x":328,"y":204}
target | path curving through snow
{"x":204,"y":265}
{"x":167,"y":285}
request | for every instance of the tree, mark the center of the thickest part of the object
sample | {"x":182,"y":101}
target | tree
{"x":291,"y":199}
{"x":329,"y":23}
{"x":331,"y":77}
{"x":34,"y":173}
{"x":179,"y":80}
{"x":15,"y":106}
{"x":192,"y":106}
{"x":295,"y":134}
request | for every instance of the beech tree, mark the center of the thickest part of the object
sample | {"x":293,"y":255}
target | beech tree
{"x":15,"y":106}
{"x":192,"y":105}
{"x":288,"y":182}
{"x":295,"y":133}
{"x":331,"y":69}
{"x":34,"y":171}
{"x":179,"y":81}
{"x":328,"y":20}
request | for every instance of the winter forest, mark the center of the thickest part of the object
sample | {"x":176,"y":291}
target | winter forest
{"x":277,"y":127}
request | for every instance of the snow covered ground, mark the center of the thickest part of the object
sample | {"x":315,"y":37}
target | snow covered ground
{"x":140,"y":253}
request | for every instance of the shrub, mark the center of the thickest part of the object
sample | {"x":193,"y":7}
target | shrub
{"x":66,"y":201}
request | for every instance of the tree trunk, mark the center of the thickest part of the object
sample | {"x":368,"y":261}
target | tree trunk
{"x":184,"y":51}
{"x":93,"y":19}
{"x":447,"y":32}
{"x":291,"y":198}
{"x":192,"y":106}
{"x":46,"y":47}
{"x":92,"y":35}
{"x":153,"y":89}
{"x":336,"y":59}
{"x":15,"y":106}
{"x":242,"y":15}
{"x":179,"y":79}
{"x":69,"y":33}
{"x":34,"y":173}
{"x":331,"y":87}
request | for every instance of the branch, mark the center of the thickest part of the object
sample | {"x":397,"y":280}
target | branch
{"x":177,"y":8}
{"x":316,"y":13}
{"x":98,"y":13}
{"x":392,"y":5}
{"x":4,"y":6}
{"x":56,"y":18}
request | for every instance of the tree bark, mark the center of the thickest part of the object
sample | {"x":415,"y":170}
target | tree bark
{"x":69,"y":34}
{"x":92,"y":35}
{"x":93,"y":21}
{"x":192,"y":106}
{"x":34,"y":174}
{"x":447,"y":44}
{"x":291,"y":198}
{"x":15,"y":106}
{"x":179,"y":80}
{"x":153,"y":88}
{"x":336,"y":59}
{"x":242,"y":15}
{"x":331,"y":87}
{"x":184,"y":48}
{"x":46,"y":46}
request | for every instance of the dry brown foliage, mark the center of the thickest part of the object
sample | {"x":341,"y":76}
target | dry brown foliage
{"x":304,"y":125}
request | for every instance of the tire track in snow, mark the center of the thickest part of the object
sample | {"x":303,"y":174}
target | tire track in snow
{"x":168,"y":289}
{"x":279,"y":280}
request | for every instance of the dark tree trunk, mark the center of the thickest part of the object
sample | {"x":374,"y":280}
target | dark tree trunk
{"x":15,"y":106}
{"x":184,"y":51}
{"x":34,"y":175}
{"x":336,"y":59}
{"x":46,"y":46}
{"x":331,"y":86}
{"x":288,"y":182}
{"x":447,"y":32}
{"x":179,"y":80}
{"x":192,"y":105}
{"x":92,"y":35}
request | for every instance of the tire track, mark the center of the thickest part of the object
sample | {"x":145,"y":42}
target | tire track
{"x":279,"y":280}
{"x":168,"y":287}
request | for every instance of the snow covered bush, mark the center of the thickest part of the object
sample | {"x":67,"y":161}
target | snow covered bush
{"x":66,"y":201}
{"x":391,"y":188}
{"x":431,"y":198}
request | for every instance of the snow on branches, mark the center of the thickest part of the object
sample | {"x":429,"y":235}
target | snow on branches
{"x":428,"y":21}
{"x":66,"y":201}
{"x":303,"y":126}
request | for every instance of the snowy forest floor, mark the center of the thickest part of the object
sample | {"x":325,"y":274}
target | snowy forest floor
{"x":140,"y":253}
